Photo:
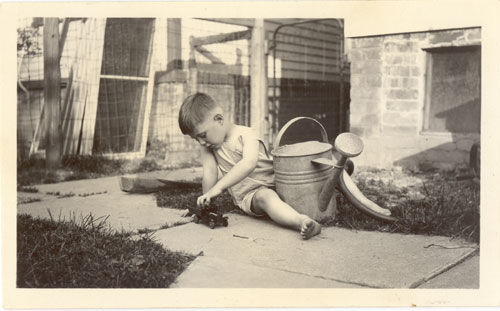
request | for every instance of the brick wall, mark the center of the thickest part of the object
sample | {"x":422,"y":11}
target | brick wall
{"x":388,"y":95}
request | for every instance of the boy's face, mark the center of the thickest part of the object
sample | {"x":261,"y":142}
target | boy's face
{"x":211,"y":132}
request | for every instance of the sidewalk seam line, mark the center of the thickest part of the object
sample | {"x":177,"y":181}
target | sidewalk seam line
{"x":322,"y":277}
{"x":442,"y":270}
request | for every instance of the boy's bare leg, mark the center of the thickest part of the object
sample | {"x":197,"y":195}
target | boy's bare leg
{"x":266,"y":201}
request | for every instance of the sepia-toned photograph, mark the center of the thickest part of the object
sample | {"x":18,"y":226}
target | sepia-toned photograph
{"x":247,"y":153}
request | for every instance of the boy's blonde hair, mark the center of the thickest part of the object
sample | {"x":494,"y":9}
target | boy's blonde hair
{"x":194,"y":110}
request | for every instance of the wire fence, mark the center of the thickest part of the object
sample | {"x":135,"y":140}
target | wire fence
{"x":115,"y":71}
{"x":202,"y":57}
{"x":123,"y":80}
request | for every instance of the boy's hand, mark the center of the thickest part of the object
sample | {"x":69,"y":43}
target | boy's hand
{"x":205,"y":199}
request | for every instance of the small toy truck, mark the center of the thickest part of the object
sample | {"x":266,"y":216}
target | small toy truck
{"x":208,"y":215}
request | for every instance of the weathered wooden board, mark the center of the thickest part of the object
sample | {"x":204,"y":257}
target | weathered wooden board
{"x":221,"y":38}
{"x":92,"y":78}
{"x":137,"y":184}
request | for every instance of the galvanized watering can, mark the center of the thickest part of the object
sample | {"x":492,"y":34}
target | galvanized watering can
{"x":307,"y":173}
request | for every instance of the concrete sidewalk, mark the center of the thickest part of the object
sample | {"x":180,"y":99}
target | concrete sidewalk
{"x":255,"y":253}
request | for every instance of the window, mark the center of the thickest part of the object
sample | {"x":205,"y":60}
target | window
{"x":453,"y":90}
{"x":124,"y":86}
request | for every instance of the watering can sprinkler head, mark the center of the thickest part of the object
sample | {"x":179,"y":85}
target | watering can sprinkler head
{"x":348,"y":145}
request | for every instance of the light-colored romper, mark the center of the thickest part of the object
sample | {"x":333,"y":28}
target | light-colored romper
{"x":231,"y":153}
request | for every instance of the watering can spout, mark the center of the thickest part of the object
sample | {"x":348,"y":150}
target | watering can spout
{"x":347,"y":145}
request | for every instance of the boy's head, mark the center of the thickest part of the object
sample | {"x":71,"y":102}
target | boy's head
{"x":203,"y":119}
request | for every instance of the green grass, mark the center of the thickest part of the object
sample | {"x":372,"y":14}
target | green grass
{"x":88,"y":254}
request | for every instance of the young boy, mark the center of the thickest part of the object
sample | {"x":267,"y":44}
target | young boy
{"x":242,"y":158}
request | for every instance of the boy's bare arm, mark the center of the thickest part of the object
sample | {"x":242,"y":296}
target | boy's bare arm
{"x":244,"y":167}
{"x":241,"y":170}
{"x":210,"y":172}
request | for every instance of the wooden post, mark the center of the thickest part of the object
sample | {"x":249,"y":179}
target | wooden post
{"x":52,"y":92}
{"x":258,"y":80}
{"x":149,"y":94}
{"x":174,"y":43}
{"x":39,"y":126}
{"x":192,"y":81}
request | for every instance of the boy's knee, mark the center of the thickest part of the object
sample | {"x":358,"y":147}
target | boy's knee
{"x":263,"y":197}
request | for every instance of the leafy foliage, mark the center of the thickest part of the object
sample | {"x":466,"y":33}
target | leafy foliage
{"x":28,"y":40}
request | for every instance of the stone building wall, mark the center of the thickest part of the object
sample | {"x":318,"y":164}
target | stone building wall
{"x":388,"y":81}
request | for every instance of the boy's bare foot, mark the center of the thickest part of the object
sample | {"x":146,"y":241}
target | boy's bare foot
{"x":309,"y":228}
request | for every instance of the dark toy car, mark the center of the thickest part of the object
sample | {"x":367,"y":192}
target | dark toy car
{"x":208,"y":215}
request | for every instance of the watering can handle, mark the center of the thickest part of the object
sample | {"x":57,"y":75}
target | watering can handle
{"x":324,"y":135}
